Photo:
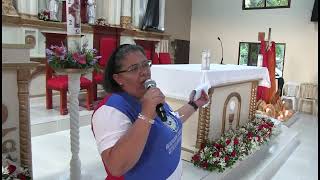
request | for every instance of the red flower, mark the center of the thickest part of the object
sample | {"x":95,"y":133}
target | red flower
{"x":228,"y":141}
{"x":216,"y":154}
{"x":59,"y":51}
{"x":196,"y":157}
{"x":204,"y":165}
{"x":233,"y":154}
{"x":235,"y":141}
{"x":22,"y":177}
{"x":249,"y":135}
{"x":218,"y":146}
{"x":259,"y":139}
{"x":11,"y":168}
{"x":226,"y":159}
{"x":81,"y":59}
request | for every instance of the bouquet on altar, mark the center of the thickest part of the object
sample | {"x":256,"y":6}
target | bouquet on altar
{"x":10,"y":170}
{"x":82,"y":58}
{"x":44,"y":14}
{"x":235,"y":145}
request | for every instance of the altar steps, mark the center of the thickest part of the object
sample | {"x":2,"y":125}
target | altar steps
{"x":261,"y":165}
{"x":44,"y":121}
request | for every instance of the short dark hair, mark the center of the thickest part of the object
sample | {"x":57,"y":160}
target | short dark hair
{"x":114,"y":65}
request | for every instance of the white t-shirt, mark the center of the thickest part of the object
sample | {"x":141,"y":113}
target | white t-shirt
{"x":107,"y":134}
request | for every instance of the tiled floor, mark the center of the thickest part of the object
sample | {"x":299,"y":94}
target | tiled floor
{"x":51,"y":152}
{"x":303,"y":162}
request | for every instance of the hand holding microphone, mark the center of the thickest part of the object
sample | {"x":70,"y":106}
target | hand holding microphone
{"x":152,"y":101}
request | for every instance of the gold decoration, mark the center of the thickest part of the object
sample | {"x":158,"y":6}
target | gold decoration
{"x":23,"y":78}
{"x":253,"y":100}
{"x":233,"y":94}
{"x":30,"y":40}
{"x":277,"y":109}
{"x":204,"y":121}
{"x":125,"y":22}
{"x":8,"y":8}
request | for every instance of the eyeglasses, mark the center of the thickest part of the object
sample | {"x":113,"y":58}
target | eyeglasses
{"x":138,"y":67}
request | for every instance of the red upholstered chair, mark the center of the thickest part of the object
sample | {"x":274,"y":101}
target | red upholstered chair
{"x":148,"y":46}
{"x":107,"y":46}
{"x":164,"y":58}
{"x":60,"y":83}
{"x":155,"y":59}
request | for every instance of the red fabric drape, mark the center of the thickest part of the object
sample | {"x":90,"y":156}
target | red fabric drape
{"x":269,"y":61}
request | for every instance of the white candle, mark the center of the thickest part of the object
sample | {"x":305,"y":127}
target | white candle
{"x":286,"y":113}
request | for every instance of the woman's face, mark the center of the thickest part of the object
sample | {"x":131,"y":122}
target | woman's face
{"x":134,"y":71}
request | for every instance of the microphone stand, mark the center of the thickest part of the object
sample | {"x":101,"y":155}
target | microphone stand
{"x":221,"y":62}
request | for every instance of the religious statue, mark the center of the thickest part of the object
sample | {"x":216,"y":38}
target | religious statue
{"x":8,"y":8}
{"x":74,"y":10}
{"x":91,"y":13}
{"x":150,"y":21}
{"x":53,"y":8}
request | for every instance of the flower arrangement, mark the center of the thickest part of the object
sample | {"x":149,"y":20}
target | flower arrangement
{"x":82,"y":58}
{"x":101,"y":22}
{"x":44,"y":14}
{"x":12,"y":172}
{"x":235,"y":145}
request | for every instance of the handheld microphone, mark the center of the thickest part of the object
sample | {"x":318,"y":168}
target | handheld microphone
{"x":221,"y":62}
{"x":159,"y":108}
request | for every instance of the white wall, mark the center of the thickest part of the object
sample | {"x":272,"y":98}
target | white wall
{"x":226,"y":19}
{"x":178,"y":18}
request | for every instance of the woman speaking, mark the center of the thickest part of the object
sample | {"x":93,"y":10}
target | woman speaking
{"x":133,"y":141}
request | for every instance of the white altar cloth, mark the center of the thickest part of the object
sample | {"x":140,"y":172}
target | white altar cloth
{"x":178,"y":80}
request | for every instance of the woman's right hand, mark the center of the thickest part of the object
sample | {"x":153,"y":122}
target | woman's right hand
{"x":150,"y":100}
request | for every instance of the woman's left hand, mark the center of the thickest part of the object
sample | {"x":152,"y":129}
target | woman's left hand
{"x":204,"y":99}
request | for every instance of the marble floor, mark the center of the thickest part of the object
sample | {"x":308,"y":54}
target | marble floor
{"x":51,"y":152}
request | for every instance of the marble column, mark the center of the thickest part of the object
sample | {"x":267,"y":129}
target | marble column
{"x":142,"y":11}
{"x":8,"y":8}
{"x":114,"y":12}
{"x":162,"y":46}
{"x":162,"y":7}
{"x":135,"y":13}
{"x":125,"y":18}
{"x":27,"y":8}
{"x":102,"y":9}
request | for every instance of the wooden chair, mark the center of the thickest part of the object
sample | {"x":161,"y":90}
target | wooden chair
{"x":107,"y":46}
{"x":308,"y":94}
{"x":290,"y":92}
{"x":155,"y":59}
{"x":60,"y":83}
{"x":164,"y":58}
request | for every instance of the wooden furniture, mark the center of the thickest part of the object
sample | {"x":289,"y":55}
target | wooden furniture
{"x":291,"y":92}
{"x":155,"y":59}
{"x":105,"y":40}
{"x":60,"y":82}
{"x":164,"y":58}
{"x":16,"y":77}
{"x":308,"y":94}
{"x":148,"y":46}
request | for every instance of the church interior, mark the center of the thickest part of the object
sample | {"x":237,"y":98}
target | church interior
{"x":256,"y":59}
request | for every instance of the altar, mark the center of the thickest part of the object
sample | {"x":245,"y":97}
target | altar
{"x":230,"y":85}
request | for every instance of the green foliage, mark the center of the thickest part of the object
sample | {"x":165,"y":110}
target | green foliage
{"x":269,"y":3}
{"x":275,"y":3}
{"x":244,"y":50}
